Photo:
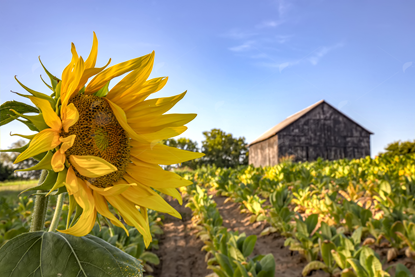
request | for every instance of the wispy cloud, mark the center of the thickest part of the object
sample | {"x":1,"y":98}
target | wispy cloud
{"x":281,"y":66}
{"x":315,"y":58}
{"x":283,"y":7}
{"x":312,"y":58}
{"x":283,"y":39}
{"x":269,"y":24}
{"x":243,"y":47}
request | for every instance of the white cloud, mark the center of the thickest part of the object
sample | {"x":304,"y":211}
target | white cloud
{"x":269,"y":24}
{"x":314,"y":60}
{"x":282,"y":66}
{"x":243,"y":47}
{"x":260,"y":56}
{"x":283,"y":8}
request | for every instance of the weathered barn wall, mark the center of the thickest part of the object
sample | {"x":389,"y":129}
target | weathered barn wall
{"x":321,"y":132}
{"x":263,"y":154}
{"x":324,"y":132}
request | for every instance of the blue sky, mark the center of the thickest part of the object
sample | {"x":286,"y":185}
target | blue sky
{"x":247,"y":65}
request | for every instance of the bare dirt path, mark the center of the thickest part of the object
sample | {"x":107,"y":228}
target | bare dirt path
{"x":288,"y":263}
{"x":180,"y":251}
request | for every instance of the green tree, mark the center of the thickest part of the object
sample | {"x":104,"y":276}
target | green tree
{"x":400,"y":148}
{"x":7,"y":160}
{"x":6,"y":172}
{"x":223,"y":150}
{"x":184,"y":144}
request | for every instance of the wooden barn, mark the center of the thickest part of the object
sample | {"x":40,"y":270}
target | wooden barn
{"x":317,"y":131}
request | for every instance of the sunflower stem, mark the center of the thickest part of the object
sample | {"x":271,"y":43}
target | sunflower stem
{"x":57,"y":214}
{"x":40,"y":207}
{"x":110,"y":226}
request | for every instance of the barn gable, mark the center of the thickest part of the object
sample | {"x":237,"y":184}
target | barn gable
{"x":317,"y":131}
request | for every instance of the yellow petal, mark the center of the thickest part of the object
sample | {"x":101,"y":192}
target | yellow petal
{"x":114,"y":71}
{"x":161,"y":154}
{"x":92,"y":58}
{"x":154,"y":176}
{"x":173,"y":193}
{"x":49,"y":115}
{"x":67,"y":75}
{"x":71,"y":181}
{"x":133,"y":80}
{"x":122,"y":119}
{"x":118,"y":188}
{"x":102,"y":208}
{"x":86,"y":221}
{"x":70,"y":116}
{"x":138,"y":96}
{"x":153,"y":107}
{"x":154,"y":124}
{"x":88,"y":73}
{"x":165,"y":133}
{"x":91,"y":166}
{"x":131,"y":215}
{"x":72,"y":88}
{"x":154,"y":202}
{"x":44,"y":141}
{"x":58,"y":161}
{"x":67,"y":142}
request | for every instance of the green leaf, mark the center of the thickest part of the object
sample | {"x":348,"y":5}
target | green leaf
{"x":37,"y":120}
{"x":311,"y":222}
{"x":225,"y":264}
{"x":7,"y":116}
{"x":235,"y":253}
{"x":325,"y":231}
{"x":314,"y":265}
{"x":241,"y":270}
{"x":54,"y":81}
{"x":47,"y":184}
{"x":150,"y":258}
{"x":103,"y":91}
{"x":46,"y":83}
{"x":45,"y":163}
{"x":223,"y":246}
{"x":219,"y":271}
{"x":268,"y":266}
{"x":358,"y":268}
{"x":348,"y":272}
{"x":56,"y":254}
{"x":37,"y":94}
{"x":326,"y":248}
{"x":357,"y":236}
{"x":29,"y":124}
{"x":14,"y":232}
{"x":249,"y":245}
{"x":402,"y":271}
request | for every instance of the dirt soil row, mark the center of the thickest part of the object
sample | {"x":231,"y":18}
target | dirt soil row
{"x":180,"y":251}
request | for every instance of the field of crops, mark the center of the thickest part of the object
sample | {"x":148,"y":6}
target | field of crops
{"x":341,"y":218}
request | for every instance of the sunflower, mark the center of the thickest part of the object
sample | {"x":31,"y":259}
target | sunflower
{"x":103,"y":145}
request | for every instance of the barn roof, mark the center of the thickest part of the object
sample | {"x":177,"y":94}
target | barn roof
{"x":292,"y":118}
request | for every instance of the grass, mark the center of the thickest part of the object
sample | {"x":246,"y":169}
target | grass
{"x":14,"y":188}
{"x":18,"y":183}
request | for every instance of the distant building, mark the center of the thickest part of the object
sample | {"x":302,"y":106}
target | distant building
{"x":317,"y":131}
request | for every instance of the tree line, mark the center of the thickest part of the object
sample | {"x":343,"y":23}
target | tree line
{"x":221,"y":149}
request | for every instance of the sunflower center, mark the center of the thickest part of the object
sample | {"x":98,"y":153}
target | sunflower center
{"x":99,"y":134}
